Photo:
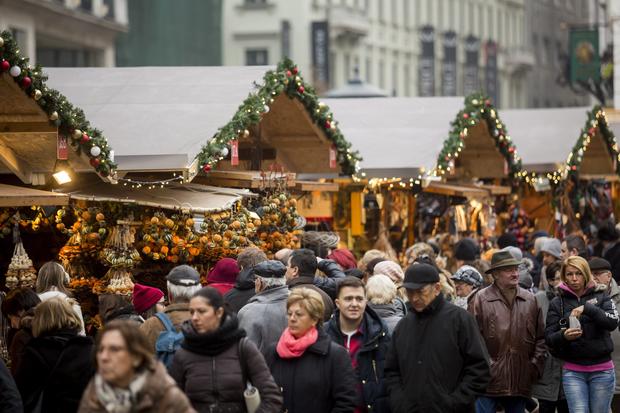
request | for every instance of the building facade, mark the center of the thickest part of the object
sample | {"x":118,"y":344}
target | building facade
{"x":68,"y":33}
{"x":172,"y":33}
{"x":406,"y":47}
{"x":548,"y":26}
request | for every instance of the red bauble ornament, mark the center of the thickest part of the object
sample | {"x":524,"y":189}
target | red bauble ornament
{"x":95,"y":162}
{"x":574,"y":167}
{"x":487,"y":102}
{"x":206,"y":168}
{"x":26,"y":82}
{"x":465,"y":115}
{"x":295,"y":70}
{"x":288,"y":73}
{"x":511,"y":149}
{"x":328,"y":124}
{"x":85,"y":138}
{"x":5,"y":65}
{"x":301,"y":89}
{"x":462,"y":136}
{"x":592,"y":131}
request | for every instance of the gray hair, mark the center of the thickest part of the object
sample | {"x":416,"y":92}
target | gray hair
{"x":181,"y":293}
{"x":380,"y":289}
{"x":272,"y":282}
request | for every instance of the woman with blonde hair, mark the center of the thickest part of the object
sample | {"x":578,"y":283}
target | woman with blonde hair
{"x":52,"y":282}
{"x":579,"y":322}
{"x":314,"y":373}
{"x":57,"y":362}
{"x":381,"y":294}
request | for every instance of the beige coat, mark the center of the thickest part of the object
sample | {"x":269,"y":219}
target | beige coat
{"x":159,"y":394}
{"x":152,"y":327}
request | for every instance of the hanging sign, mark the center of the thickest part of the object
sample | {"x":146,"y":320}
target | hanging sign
{"x":234,"y":153}
{"x":332,"y":157}
{"x":62,"y":148}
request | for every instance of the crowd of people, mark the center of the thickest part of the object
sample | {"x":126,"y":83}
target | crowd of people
{"x":513,"y":328}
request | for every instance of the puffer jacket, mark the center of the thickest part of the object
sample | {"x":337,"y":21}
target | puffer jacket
{"x":215,"y":383}
{"x":599,"y":318}
{"x":159,"y":394}
{"x":389,"y":313}
{"x":370,"y":358}
{"x":515,"y":339}
{"x":320,"y":380}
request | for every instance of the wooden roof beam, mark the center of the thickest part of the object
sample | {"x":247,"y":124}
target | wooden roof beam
{"x":15,"y":164}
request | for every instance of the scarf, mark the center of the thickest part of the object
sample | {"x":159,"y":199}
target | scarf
{"x":116,"y":400}
{"x":290,"y":347}
{"x":215,"y":342}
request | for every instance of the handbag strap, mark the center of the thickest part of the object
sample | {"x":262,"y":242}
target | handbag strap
{"x":244,"y":368}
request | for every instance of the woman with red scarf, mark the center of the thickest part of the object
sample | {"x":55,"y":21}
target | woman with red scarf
{"x":314,"y":373}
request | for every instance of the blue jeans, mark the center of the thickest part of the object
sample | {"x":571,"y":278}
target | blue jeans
{"x":510,"y":404}
{"x":589,"y":392}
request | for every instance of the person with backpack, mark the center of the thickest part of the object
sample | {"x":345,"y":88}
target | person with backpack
{"x":216,"y":361}
{"x":163,"y":329}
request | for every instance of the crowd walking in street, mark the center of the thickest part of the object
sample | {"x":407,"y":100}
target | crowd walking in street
{"x":315,"y":330}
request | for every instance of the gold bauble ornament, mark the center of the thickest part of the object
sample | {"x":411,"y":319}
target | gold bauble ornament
{"x":246,"y":133}
{"x":1,"y":41}
{"x":77,"y":134}
{"x":54,"y":115}
{"x":37,"y":94}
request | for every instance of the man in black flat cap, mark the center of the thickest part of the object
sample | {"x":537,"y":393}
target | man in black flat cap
{"x":437,"y":361}
{"x":512,"y":326}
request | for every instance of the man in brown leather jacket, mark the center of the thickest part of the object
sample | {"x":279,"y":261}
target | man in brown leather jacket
{"x":512,"y":327}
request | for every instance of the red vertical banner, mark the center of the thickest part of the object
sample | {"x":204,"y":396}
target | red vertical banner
{"x":234,"y":153}
{"x":62,"y":148}
{"x":333,"y":157}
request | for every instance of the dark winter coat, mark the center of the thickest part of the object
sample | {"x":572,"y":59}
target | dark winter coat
{"x":598,"y":319}
{"x":208,"y":369}
{"x":333,"y":273}
{"x":320,"y":380}
{"x":59,"y":366}
{"x":389,"y":313}
{"x":243,"y":290}
{"x":370,"y":358}
{"x":10,"y":400}
{"x":613,"y":256}
{"x":437,"y":361}
{"x":124,"y":313}
{"x":17,"y":348}
{"x":308,"y":282}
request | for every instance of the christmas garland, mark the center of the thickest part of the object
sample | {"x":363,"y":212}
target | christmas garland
{"x":69,"y":120}
{"x":285,"y":79}
{"x":596,"y":123}
{"x":478,"y":108}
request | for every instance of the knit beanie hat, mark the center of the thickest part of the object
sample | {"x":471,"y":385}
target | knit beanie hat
{"x":225,"y":270}
{"x":145,"y":297}
{"x":391,"y":269}
{"x":507,"y":240}
{"x":469,"y":275}
{"x":344,"y":258}
{"x":553,"y":246}
{"x":466,"y":250}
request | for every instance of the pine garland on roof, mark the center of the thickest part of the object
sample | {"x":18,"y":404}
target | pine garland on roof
{"x":478,"y":108}
{"x":70,"y":120}
{"x":285,"y":79}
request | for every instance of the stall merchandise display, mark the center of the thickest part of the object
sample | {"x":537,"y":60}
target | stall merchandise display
{"x":120,"y":255}
{"x":171,"y":239}
{"x":227,"y":232}
{"x":280,"y":224}
{"x":21,"y":272}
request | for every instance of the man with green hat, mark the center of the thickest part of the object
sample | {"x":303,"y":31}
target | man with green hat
{"x":511,"y":324}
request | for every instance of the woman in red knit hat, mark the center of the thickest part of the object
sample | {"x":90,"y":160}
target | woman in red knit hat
{"x":223,"y":276}
{"x":147,"y":300}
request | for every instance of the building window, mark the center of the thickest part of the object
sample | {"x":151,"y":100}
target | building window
{"x":382,"y":74}
{"x":395,"y":79}
{"x":255,"y":2}
{"x":56,"y":57}
{"x":110,"y":9}
{"x":347,"y":67}
{"x":256,"y":57}
{"x":86,"y":5}
{"x":368,"y":70}
{"x":407,"y":81}
{"x":395,"y":12}
{"x":19,"y":36}
{"x":380,"y":13}
{"x":406,"y":17}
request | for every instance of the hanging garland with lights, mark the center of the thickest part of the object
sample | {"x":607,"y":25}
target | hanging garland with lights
{"x":70,"y":120}
{"x":478,"y":108}
{"x":285,"y":79}
{"x":596,"y":124}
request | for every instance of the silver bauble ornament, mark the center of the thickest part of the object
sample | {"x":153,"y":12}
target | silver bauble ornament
{"x":95,"y":151}
{"x":15,"y":71}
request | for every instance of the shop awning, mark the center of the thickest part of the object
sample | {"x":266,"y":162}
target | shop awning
{"x":441,"y":188}
{"x":191,"y":198}
{"x":17,"y":196}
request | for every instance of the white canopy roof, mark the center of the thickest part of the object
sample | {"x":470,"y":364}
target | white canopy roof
{"x":396,"y":136}
{"x":157,"y":117}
